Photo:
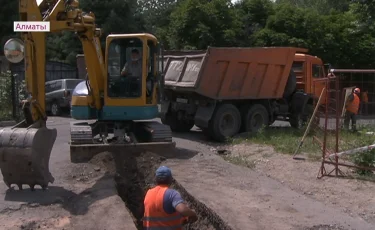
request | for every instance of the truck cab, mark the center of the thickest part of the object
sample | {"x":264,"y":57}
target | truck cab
{"x":310,"y":73}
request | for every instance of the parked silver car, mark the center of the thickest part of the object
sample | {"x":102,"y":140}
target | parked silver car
{"x":58,"y":95}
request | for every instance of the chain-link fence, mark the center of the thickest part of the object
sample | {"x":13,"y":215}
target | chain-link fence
{"x":365,"y":80}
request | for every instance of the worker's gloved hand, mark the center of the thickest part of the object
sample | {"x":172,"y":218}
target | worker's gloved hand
{"x":192,"y":219}
{"x":189,"y":220}
{"x":185,"y":220}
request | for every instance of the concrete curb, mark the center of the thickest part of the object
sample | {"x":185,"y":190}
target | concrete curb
{"x":7,"y":123}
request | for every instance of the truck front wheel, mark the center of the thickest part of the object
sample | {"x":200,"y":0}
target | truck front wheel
{"x":296,"y":121}
{"x":256,"y":118}
{"x":299,"y":120}
{"x":225,"y":123}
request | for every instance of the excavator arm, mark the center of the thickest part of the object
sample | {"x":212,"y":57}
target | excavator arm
{"x":25,"y":148}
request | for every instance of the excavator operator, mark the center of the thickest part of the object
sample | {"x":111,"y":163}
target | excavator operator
{"x":133,"y":68}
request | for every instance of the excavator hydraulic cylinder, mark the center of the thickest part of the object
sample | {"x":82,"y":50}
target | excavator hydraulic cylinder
{"x":25,"y":154}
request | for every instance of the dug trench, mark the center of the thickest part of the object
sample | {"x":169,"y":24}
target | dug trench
{"x":134,"y":175}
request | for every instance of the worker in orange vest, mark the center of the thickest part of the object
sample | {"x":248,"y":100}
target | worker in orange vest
{"x":352,"y":108}
{"x":163,"y":207}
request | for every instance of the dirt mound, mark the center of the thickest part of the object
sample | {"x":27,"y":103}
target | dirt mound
{"x":104,"y":161}
{"x":135,"y":175}
{"x":325,"y":227}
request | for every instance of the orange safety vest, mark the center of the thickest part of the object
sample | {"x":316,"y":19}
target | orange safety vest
{"x":155,"y":217}
{"x":353,"y":106}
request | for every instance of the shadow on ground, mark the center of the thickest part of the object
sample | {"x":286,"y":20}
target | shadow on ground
{"x":76,"y":204}
{"x":196,"y":135}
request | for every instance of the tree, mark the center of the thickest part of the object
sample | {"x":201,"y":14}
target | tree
{"x":156,"y":15}
{"x":252,"y":17}
{"x":8,"y":14}
{"x":112,"y":16}
{"x":335,"y":37}
{"x":290,"y":26}
{"x":197,"y":24}
{"x":321,"y":6}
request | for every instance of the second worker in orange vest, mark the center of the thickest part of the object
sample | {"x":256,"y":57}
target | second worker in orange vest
{"x":352,"y":107}
{"x":164,"y":207}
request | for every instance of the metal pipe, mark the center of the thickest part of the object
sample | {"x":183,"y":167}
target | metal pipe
{"x":324,"y":148}
{"x":352,"y":70}
{"x":337,"y":122}
{"x":350,"y":166}
{"x":353,"y":151}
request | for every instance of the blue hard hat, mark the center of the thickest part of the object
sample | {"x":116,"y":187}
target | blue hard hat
{"x":163,"y":172}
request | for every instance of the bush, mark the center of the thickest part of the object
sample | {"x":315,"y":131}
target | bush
{"x":6,"y":97}
{"x":365,"y":159}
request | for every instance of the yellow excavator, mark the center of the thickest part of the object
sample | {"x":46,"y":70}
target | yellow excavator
{"x":116,"y":104}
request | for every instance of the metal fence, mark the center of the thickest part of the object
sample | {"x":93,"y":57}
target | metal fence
{"x":54,"y":70}
{"x":363,"y":79}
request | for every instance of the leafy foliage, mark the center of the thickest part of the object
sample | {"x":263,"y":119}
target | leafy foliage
{"x":340,"y":32}
{"x":197,"y":24}
{"x":6,"y":97}
{"x":365,"y":159}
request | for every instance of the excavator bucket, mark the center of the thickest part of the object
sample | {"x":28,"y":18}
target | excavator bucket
{"x":25,"y":154}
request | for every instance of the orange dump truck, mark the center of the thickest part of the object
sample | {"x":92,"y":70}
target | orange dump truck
{"x":224,"y":91}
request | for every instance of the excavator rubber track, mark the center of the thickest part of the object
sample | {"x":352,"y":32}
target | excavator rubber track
{"x":146,"y":136}
{"x":25,"y":154}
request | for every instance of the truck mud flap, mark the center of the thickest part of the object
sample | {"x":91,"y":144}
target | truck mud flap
{"x":25,"y":154}
{"x":85,"y":152}
{"x":203,"y":115}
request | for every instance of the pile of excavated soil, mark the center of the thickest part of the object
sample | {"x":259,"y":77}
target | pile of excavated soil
{"x":325,"y":227}
{"x":135,"y":175}
{"x":104,"y":161}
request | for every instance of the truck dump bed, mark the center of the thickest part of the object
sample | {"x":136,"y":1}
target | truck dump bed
{"x":230,"y":73}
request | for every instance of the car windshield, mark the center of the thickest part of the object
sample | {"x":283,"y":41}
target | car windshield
{"x":71,"y":84}
{"x":53,"y":86}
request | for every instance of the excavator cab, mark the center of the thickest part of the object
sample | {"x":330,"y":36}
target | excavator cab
{"x":130,"y":89}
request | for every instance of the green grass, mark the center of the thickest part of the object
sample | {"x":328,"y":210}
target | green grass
{"x":286,"y":140}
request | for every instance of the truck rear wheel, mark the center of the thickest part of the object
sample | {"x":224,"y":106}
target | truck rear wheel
{"x":175,"y":124}
{"x":225,"y":123}
{"x":256,"y":118}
